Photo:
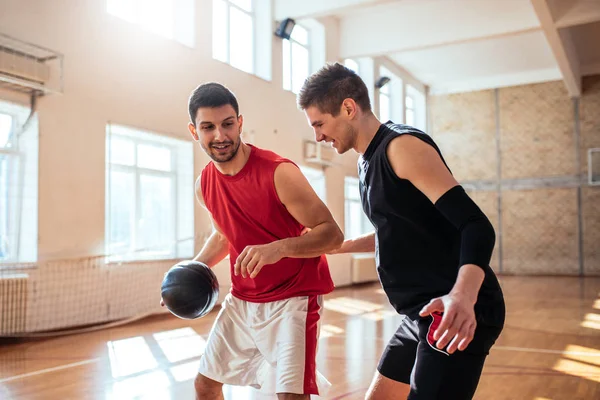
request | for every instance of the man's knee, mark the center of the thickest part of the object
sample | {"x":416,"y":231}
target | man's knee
{"x":383,"y":388}
{"x":207,"y":388}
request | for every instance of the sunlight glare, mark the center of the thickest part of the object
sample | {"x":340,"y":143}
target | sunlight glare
{"x":153,"y":385}
{"x":579,"y":369}
{"x":379,"y":315}
{"x":185,"y":372}
{"x":584,"y":354}
{"x":330,"y":330}
{"x":180,"y":344}
{"x":130,"y":356}
{"x":350,"y":306}
{"x":591,"y":321}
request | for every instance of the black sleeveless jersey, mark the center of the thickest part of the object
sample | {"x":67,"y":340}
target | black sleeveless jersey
{"x":417,"y":248}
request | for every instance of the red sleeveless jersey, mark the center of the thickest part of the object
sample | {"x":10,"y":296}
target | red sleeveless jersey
{"x":247,"y":209}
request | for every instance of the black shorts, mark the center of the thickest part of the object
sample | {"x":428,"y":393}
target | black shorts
{"x":412,"y":358}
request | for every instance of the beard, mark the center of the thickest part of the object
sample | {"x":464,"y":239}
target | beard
{"x":225,"y":155}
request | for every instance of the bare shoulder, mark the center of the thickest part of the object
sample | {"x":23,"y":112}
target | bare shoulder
{"x":286,"y":170}
{"x":411,"y":147}
{"x":417,"y":161}
{"x":298,"y":196}
{"x":288,"y":180}
{"x":408,"y":154}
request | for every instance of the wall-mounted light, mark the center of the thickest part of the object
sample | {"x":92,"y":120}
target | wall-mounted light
{"x":285,"y":28}
{"x":381,"y":82}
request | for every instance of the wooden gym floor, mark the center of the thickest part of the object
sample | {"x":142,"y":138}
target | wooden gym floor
{"x":550,"y":349}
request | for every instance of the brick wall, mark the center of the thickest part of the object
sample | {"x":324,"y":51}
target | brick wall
{"x":521,"y":152}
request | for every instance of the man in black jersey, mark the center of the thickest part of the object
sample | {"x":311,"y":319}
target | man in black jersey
{"x":432,"y":242}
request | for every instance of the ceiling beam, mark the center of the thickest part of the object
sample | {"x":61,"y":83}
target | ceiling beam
{"x":401,"y":72}
{"x":568,"y":13}
{"x":562,"y":47}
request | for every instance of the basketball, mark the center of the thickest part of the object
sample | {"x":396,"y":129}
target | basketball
{"x":190,"y":289}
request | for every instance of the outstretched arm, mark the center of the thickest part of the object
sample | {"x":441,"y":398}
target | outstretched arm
{"x":304,"y":205}
{"x":361,"y":244}
{"x":418,"y":162}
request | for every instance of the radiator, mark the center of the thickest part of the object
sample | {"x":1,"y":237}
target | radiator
{"x":13,"y":303}
{"x":363,"y":268}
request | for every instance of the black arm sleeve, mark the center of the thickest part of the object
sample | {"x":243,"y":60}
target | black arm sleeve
{"x":477,"y":233}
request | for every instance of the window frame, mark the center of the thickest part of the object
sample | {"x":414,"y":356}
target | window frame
{"x":412,"y":109}
{"x":136,"y":20}
{"x":308,"y":173}
{"x":134,"y":252}
{"x":385,"y":91}
{"x":23,"y":179}
{"x":14,"y":157}
{"x":289,"y":54}
{"x":252,"y":13}
{"x":365,"y":225}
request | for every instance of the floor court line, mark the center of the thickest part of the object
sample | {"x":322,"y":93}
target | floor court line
{"x":511,"y":348}
{"x":548,"y":351}
{"x":47,"y":370}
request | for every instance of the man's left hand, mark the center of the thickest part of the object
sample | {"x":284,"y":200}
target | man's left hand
{"x":458,"y":321}
{"x":254,"y":258}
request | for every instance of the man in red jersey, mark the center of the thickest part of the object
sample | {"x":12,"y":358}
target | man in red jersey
{"x":260,"y":204}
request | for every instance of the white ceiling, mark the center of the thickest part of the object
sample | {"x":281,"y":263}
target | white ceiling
{"x":461,"y":45}
{"x":501,"y":61}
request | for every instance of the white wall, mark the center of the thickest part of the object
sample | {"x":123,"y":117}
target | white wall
{"x":116,"y":72}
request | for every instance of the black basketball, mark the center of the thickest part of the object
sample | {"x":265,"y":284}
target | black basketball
{"x":190,"y":289}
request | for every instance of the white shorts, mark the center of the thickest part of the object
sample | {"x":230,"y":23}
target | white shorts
{"x":268,"y":346}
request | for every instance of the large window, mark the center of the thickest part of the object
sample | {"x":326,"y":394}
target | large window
{"x":356,"y":222}
{"x":9,"y":166}
{"x":149,"y":196}
{"x":316,"y":178}
{"x":234,"y":34}
{"x":401,"y":99}
{"x":296,"y":59}
{"x":172,"y":19}
{"x":18,"y":184}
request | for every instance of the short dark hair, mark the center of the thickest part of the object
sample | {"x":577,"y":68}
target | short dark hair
{"x":328,"y":87}
{"x":211,"y":95}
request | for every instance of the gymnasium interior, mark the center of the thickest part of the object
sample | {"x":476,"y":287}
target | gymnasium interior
{"x":97,"y":171}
